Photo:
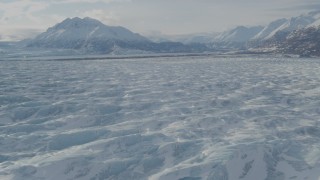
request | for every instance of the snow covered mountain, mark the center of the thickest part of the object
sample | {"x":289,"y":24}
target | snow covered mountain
{"x":266,"y":31}
{"x":297,"y":35}
{"x":242,"y":37}
{"x":87,"y":33}
{"x":288,"y":25}
{"x":77,"y":28}
{"x":239,"y":34}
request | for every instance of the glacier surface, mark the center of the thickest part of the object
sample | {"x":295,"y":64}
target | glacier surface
{"x":174,"y":118}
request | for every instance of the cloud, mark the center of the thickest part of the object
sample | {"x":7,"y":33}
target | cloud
{"x":20,"y":11}
{"x":27,"y":8}
{"x":309,"y":5}
{"x":313,"y":6}
{"x":18,"y":20}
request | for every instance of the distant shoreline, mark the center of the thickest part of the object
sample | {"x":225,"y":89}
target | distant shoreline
{"x":110,"y":57}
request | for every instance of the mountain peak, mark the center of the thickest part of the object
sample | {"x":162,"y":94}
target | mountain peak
{"x":77,"y":22}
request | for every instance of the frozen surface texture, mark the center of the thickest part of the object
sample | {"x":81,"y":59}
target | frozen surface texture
{"x":160,"y":119}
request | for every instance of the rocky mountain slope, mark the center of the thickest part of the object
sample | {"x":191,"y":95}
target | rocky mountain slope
{"x":297,"y":35}
{"x":304,"y":42}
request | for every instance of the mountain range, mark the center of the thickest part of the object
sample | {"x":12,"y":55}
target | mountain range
{"x":254,"y":33}
{"x":287,"y":25}
{"x":297,"y":35}
{"x":91,"y":36}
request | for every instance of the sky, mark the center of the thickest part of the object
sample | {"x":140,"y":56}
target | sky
{"x":20,"y":19}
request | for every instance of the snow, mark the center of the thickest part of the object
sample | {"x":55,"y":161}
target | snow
{"x":169,"y":118}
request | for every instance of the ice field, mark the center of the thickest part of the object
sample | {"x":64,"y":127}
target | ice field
{"x":174,"y":118}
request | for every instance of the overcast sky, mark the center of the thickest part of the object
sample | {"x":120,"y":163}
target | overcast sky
{"x":24,"y":18}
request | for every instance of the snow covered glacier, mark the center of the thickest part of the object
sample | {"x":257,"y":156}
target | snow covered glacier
{"x":182,"y":118}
